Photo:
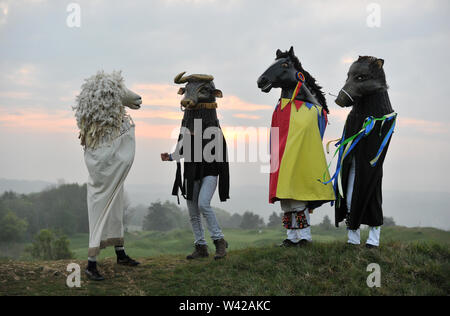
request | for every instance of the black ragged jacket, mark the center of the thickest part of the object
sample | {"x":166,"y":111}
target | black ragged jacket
{"x":194,"y":171}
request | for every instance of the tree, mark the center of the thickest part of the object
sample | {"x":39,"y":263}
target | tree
{"x":223,"y":217}
{"x":163,"y":217}
{"x":251,"y":221}
{"x":235,"y":221}
{"x":275,"y":220}
{"x":226,"y":220}
{"x":326,"y":223}
{"x":12,"y":228}
{"x":63,"y":207}
{"x":388,"y":221}
{"x":48,"y":245}
{"x":136,"y":215}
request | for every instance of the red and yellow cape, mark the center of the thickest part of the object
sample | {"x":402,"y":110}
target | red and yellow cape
{"x":298,"y":158}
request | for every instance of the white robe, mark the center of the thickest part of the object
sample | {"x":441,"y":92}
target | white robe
{"x":108,"y":166}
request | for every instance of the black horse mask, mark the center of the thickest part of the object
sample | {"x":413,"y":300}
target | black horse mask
{"x":365,"y":77}
{"x":285,"y":72}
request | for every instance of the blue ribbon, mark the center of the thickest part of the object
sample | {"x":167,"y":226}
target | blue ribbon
{"x":370,"y":124}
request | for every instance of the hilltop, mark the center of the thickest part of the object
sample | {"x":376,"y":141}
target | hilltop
{"x":322,"y":268}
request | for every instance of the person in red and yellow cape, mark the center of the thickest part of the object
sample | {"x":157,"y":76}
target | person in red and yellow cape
{"x":297,"y":156}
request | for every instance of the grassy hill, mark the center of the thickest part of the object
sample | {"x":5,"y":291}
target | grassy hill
{"x":412,"y":261}
{"x":149,"y":244}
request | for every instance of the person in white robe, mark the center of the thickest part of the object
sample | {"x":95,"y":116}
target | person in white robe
{"x":107,"y":134}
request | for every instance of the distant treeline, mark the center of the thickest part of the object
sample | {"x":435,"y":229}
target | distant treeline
{"x":63,"y":209}
{"x":165,"y":216}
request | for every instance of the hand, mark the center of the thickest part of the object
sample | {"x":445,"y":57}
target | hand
{"x":165,"y":157}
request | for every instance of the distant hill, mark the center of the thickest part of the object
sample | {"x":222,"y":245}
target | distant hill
{"x":411,"y":209}
{"x":23,"y":186}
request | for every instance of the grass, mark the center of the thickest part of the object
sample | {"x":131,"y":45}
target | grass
{"x":412,"y":261}
{"x":150,"y":244}
{"x":323,"y":268}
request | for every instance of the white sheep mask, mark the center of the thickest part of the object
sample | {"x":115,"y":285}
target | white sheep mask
{"x":100,"y":108}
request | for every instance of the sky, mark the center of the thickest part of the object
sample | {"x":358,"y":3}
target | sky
{"x":44,"y":60}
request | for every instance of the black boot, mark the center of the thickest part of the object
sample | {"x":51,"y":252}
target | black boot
{"x":124,"y":260}
{"x":127,"y":261}
{"x":201,"y":251}
{"x":287,"y":243}
{"x":221,"y":248}
{"x":92,"y":272}
{"x":303,"y":242}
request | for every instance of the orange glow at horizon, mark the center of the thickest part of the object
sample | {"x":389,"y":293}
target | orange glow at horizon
{"x":60,"y":121}
{"x":163,"y":95}
{"x":42,"y":120}
{"x":247,"y":116}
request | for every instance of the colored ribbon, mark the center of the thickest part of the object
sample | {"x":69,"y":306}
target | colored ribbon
{"x":345,"y":146}
{"x":331,"y":141}
{"x":301,"y":79}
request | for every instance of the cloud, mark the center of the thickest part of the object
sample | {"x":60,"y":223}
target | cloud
{"x":154,"y":94}
{"x":43,"y":62}
{"x":63,"y":121}
{"x":152,"y":131}
{"x":144,"y":113}
{"x":165,"y":95}
{"x":247,"y":116}
{"x":16,"y":95}
{"x":191,"y":1}
{"x":3,"y":12}
{"x":425,"y":126}
{"x":38,"y":120}
{"x":421,"y":125}
{"x":338,"y":113}
{"x":24,"y":75}
{"x":347,"y":60}
{"x":70,"y":97}
{"x":234,"y":103}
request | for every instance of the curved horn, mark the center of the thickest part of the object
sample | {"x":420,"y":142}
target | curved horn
{"x":179,"y":78}
{"x":201,"y":77}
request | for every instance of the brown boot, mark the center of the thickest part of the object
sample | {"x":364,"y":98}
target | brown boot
{"x":201,"y":251}
{"x":221,"y":248}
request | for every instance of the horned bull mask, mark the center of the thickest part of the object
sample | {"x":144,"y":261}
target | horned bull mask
{"x":199,"y":99}
{"x":199,"y":91}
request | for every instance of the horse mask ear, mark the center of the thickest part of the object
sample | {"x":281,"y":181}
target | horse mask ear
{"x":278,"y":53}
{"x":380,"y":63}
{"x":218,"y":93}
{"x":291,"y":51}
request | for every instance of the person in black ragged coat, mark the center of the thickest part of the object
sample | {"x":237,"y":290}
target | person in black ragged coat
{"x":202,"y":145}
{"x":359,"y":185}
